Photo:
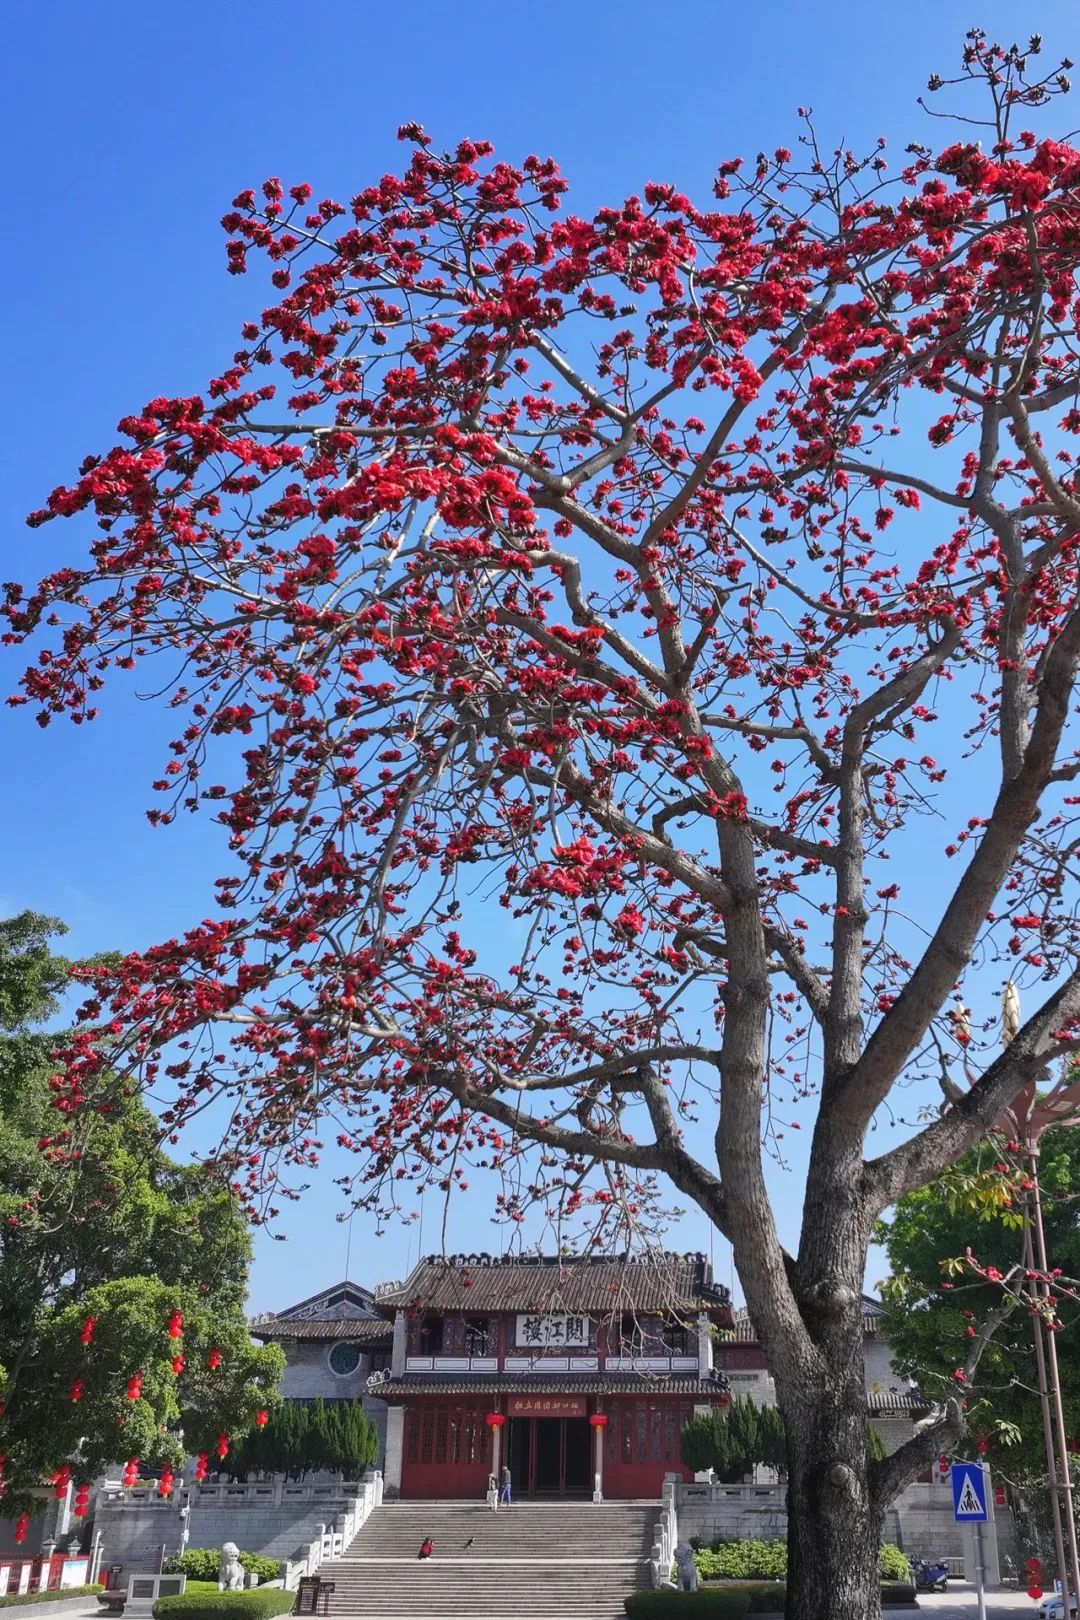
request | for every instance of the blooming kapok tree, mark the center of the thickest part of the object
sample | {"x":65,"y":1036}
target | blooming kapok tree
{"x":642,"y":575}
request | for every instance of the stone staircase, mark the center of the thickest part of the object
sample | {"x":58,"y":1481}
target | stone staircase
{"x":532,"y":1561}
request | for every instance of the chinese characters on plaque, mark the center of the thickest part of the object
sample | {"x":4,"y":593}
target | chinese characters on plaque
{"x":553,"y":1332}
{"x":551,"y":1406}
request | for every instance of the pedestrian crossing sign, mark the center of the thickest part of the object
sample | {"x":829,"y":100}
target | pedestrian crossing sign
{"x":968,"y":1492}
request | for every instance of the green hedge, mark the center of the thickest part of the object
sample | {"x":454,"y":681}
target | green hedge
{"x":767,"y":1561}
{"x":259,"y":1603}
{"x":14,"y":1601}
{"x":768,"y":1596}
{"x":201,"y":1564}
{"x":894,"y":1565}
{"x":743,"y":1561}
{"x":713,"y":1604}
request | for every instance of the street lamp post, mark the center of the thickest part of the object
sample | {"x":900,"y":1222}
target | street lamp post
{"x":1025,"y":1120}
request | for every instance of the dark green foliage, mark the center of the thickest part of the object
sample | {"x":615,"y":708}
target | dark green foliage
{"x":336,"y":1436}
{"x":260,"y":1603}
{"x":768,"y":1597}
{"x":668,"y":1605}
{"x":926,"y":1326}
{"x":14,"y":1601}
{"x":732,"y":1439}
{"x":101,"y":1223}
{"x":201,"y":1564}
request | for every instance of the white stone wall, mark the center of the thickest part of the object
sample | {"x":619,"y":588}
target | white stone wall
{"x":133,"y":1532}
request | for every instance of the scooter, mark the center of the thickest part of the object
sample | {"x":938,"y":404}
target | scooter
{"x":929,"y":1577}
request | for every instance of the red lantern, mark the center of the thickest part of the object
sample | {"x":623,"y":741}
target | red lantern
{"x":78,"y":1390}
{"x":178,"y":1364}
{"x":213,"y":1360}
{"x":59,"y":1481}
{"x":88,"y":1329}
{"x":131,"y":1472}
{"x":984,"y":1445}
{"x":22,"y":1525}
{"x":598,"y":1420}
{"x":495,"y":1420}
{"x":82,"y":1501}
{"x":176,"y":1325}
{"x":134,"y":1388}
{"x":262,"y":1417}
{"x":202,"y":1466}
{"x":165,"y":1482}
{"x":1035,"y":1592}
{"x":222,"y":1447}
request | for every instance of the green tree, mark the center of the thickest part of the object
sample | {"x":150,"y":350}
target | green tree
{"x":732,"y":1439}
{"x":299,"y":1439}
{"x":103,"y":1239}
{"x":933,"y":1312}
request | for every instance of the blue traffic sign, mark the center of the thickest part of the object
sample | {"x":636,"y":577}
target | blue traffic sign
{"x":968,"y":1493}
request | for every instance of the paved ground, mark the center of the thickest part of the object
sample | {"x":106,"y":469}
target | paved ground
{"x":959,"y":1603}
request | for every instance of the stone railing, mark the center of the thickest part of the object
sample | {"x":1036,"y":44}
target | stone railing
{"x":665,"y":1539}
{"x":332,"y":1540}
{"x":259,"y":1493}
{"x":759,"y":1495}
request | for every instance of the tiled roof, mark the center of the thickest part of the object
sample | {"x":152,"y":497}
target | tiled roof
{"x":898,"y":1400}
{"x":374,"y":1333}
{"x":553,"y":1283}
{"x":744,"y":1332}
{"x":396,"y":1389}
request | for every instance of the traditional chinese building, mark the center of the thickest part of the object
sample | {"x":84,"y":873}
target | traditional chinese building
{"x":333,"y":1341}
{"x":577,"y":1373}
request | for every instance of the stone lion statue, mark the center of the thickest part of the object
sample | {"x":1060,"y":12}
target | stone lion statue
{"x":230,"y":1575}
{"x":687,"y":1569}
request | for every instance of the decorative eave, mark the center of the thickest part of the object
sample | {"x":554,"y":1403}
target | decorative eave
{"x":372,"y":1333}
{"x":408,"y":1385}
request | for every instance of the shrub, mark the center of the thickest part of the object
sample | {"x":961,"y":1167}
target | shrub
{"x":260,"y":1603}
{"x":768,"y":1597}
{"x":669,"y":1605}
{"x":201,"y":1564}
{"x":743,"y":1561}
{"x":14,"y":1600}
{"x":894,"y":1593}
{"x":894,"y":1565}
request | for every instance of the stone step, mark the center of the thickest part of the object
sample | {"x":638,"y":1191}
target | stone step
{"x":531,"y":1561}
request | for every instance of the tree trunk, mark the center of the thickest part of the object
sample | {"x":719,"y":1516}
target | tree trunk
{"x":834,"y":1526}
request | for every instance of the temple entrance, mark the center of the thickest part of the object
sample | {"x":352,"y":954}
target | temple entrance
{"x":550,"y":1456}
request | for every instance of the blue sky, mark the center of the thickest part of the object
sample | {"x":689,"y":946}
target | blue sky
{"x":136,"y":125}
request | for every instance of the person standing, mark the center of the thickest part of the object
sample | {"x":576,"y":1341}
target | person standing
{"x":504,"y":1494}
{"x":493,"y":1493}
